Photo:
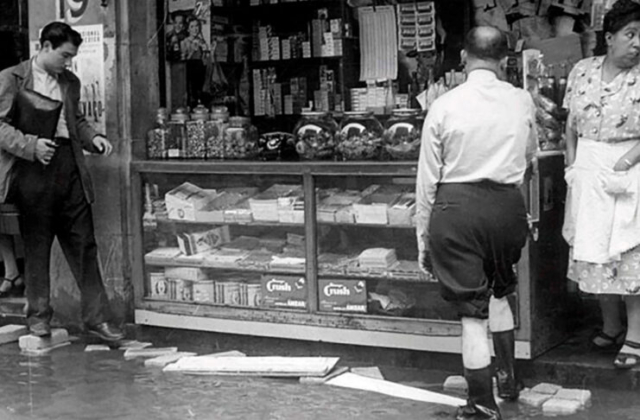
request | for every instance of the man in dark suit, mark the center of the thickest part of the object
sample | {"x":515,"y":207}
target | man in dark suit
{"x":48,"y":181}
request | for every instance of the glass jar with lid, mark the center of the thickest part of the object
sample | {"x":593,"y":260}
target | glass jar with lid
{"x":215,"y":133}
{"x":240,"y":139}
{"x":360,"y":136}
{"x":158,"y":136}
{"x":401,"y":139}
{"x":315,"y":135}
{"x":197,"y":135}
{"x":178,"y":131}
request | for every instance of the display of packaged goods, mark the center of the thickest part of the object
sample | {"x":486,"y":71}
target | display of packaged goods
{"x":402,"y":211}
{"x":158,"y":286}
{"x":334,"y":202}
{"x":230,"y":292}
{"x":240,"y":213}
{"x":242,"y":243}
{"x":204,"y":291}
{"x":294,"y":251}
{"x":280,"y":291}
{"x":291,"y":210}
{"x":213,"y":212}
{"x":377,"y":258}
{"x":407,"y":270}
{"x":183,"y":201}
{"x":224,"y":258}
{"x":193,"y":243}
{"x":293,"y":264}
{"x":259,"y":260}
{"x":272,"y":244}
{"x":342,"y":295}
{"x":162,"y":255}
{"x":185,"y":273}
{"x":196,"y":259}
{"x":264,"y":205}
{"x":254,"y":295}
{"x":181,"y":290}
{"x":329,"y":263}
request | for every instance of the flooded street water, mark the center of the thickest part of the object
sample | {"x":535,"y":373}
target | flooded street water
{"x":70,"y":384}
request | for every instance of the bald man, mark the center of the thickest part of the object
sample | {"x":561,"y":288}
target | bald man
{"x":471,"y":220}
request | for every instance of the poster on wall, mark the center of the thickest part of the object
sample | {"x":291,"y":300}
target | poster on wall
{"x":88,"y":65}
{"x":188,"y":30}
{"x":76,"y":12}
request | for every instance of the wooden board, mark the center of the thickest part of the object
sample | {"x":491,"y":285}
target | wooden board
{"x":255,"y":366}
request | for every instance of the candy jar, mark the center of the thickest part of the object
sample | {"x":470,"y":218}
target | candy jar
{"x":360,"y":136}
{"x":401,"y":138}
{"x":178,"y":137}
{"x":315,"y":136}
{"x":197,"y":134}
{"x":158,"y":136}
{"x":215,"y":132}
{"x":240,"y":139}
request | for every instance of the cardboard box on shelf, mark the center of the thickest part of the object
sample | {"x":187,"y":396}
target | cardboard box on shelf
{"x":158,"y":286}
{"x":197,"y":242}
{"x":185,"y":273}
{"x":213,"y":212}
{"x":402,"y":211}
{"x":342,"y":295}
{"x":183,"y":201}
{"x":280,"y":291}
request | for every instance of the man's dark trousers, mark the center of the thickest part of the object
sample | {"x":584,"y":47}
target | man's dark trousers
{"x":52,"y":204}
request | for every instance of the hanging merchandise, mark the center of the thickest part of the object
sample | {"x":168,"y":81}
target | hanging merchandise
{"x":417,"y":26}
{"x":378,"y":43}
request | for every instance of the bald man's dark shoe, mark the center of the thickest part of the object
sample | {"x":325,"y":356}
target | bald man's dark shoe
{"x":106,"y":332}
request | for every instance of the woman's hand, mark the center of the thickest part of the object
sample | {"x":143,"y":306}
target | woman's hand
{"x":622,"y":165}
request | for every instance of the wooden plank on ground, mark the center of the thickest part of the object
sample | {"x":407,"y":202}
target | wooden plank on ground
{"x":255,"y":366}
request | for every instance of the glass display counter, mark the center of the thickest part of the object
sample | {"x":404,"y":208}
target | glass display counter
{"x":322,"y":251}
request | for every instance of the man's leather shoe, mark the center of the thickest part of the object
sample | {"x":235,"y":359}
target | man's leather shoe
{"x":106,"y":332}
{"x":40,"y":329}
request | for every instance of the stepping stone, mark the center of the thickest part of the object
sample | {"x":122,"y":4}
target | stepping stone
{"x":583,"y":396}
{"x":97,"y":347}
{"x":11,"y":333}
{"x":455,"y":383}
{"x":162,"y":361}
{"x":546,"y":388}
{"x":133,"y":344}
{"x":31,"y":342}
{"x":149,"y":352}
{"x":556,"y":406}
{"x":533,"y":399}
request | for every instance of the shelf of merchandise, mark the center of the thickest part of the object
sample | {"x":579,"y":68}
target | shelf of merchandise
{"x":539,"y":270}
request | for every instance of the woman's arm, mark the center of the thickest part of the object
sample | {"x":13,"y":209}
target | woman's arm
{"x":628,"y":159}
{"x":572,"y":141}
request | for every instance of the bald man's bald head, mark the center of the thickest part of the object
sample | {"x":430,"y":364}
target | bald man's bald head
{"x":486,"y":43}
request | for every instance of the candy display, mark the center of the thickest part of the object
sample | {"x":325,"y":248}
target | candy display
{"x":178,"y":131}
{"x":197,"y":133}
{"x":315,"y":136}
{"x":360,"y":136}
{"x":401,"y":139}
{"x":215,"y":132}
{"x":240,"y":139}
{"x":158,"y":136}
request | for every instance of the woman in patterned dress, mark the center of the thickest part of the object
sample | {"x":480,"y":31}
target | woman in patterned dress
{"x":602,"y":220}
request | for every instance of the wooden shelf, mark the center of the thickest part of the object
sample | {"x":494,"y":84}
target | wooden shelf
{"x":278,"y":224}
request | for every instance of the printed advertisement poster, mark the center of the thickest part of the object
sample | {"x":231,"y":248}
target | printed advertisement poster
{"x":88,"y":65}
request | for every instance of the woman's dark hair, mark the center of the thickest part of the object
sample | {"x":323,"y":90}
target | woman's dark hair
{"x":57,"y":33}
{"x":621,"y":14}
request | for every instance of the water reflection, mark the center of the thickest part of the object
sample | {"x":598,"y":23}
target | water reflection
{"x":71,"y":384}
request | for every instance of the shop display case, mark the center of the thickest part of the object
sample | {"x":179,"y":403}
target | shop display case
{"x":319,"y":251}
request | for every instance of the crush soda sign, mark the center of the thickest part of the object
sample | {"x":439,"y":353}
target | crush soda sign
{"x":343,"y":295}
{"x":280,"y":291}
